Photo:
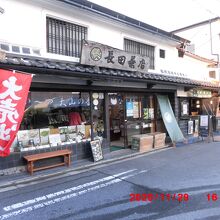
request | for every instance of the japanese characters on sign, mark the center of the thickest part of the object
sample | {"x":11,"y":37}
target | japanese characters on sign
{"x":96,"y":150}
{"x":14,"y":89}
{"x":200,"y":93}
{"x":96,"y":54}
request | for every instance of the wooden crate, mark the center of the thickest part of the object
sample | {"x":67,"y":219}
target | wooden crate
{"x":158,"y":139}
{"x":142,"y":142}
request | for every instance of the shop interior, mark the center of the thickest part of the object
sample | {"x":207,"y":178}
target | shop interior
{"x":129,"y":114}
{"x":52,"y":118}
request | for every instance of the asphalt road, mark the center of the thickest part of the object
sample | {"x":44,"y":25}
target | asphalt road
{"x":179,"y":183}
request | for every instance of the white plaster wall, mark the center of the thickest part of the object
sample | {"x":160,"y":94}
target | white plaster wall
{"x":20,"y":24}
{"x":24,"y":23}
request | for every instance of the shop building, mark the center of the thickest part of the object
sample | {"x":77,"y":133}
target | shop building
{"x":76,"y":96}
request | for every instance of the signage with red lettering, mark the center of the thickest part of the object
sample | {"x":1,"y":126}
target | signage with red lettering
{"x":14,"y":89}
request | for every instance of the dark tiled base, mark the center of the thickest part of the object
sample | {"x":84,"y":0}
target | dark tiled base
{"x":79,"y":151}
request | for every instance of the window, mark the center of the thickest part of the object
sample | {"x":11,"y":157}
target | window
{"x":64,"y":38}
{"x":139,"y":48}
{"x":64,"y":114}
{"x":4,"y":47}
{"x":162,"y":53}
{"x":26,"y":50}
{"x":15,"y":49}
{"x":212,"y":74}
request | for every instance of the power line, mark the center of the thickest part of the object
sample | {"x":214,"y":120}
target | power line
{"x":207,"y":41}
{"x":205,"y":8}
{"x":194,"y":35}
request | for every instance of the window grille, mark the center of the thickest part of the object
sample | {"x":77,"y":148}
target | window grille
{"x":212,"y":74}
{"x":162,"y":53}
{"x":139,"y":48}
{"x":64,"y":38}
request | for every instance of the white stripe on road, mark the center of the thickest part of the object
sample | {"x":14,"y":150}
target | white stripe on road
{"x":52,"y":195}
{"x":57,"y":200}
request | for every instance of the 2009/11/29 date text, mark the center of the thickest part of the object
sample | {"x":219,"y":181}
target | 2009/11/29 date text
{"x":149,"y":197}
{"x":181,"y":197}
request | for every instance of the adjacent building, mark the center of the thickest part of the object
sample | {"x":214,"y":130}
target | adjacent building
{"x":204,"y":41}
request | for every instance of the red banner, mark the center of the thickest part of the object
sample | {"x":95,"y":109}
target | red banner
{"x":14,"y":89}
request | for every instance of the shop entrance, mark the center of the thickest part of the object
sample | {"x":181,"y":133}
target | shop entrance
{"x":117,"y":121}
{"x":129,"y":115}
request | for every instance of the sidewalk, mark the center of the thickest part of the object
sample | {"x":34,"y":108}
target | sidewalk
{"x":79,"y":166}
{"x":83,"y":165}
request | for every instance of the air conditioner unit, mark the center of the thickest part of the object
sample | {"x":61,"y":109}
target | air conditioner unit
{"x":190,"y":48}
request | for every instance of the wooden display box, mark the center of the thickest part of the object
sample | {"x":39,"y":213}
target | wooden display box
{"x":142,"y":142}
{"x":158,"y":139}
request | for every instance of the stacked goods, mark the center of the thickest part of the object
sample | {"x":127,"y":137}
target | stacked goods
{"x":159,"y":139}
{"x":142,"y":142}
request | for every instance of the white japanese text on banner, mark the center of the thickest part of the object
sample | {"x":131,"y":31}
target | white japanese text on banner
{"x":14,"y":88}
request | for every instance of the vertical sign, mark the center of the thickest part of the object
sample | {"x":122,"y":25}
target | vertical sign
{"x":190,"y":127}
{"x":204,"y":126}
{"x":14,"y":89}
{"x":135,"y":109}
{"x":129,"y":109}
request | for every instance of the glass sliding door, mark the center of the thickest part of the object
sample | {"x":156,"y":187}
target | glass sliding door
{"x":116,"y":121}
{"x":129,"y":115}
{"x":133,"y":115}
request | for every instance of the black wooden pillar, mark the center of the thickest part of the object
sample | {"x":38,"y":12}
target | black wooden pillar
{"x":106,"y":117}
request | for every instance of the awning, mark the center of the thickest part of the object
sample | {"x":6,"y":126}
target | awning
{"x":39,"y":65}
{"x":169,"y":119}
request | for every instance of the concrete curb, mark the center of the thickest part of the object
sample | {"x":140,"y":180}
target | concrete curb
{"x":82,"y":168}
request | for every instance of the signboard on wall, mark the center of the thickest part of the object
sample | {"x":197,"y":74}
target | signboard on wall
{"x":198,"y":93}
{"x":184,"y":108}
{"x":96,"y":54}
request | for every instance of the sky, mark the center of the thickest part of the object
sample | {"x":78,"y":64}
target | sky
{"x":165,"y":14}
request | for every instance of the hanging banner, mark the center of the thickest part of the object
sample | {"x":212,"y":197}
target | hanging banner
{"x":14,"y":89}
{"x":169,"y":119}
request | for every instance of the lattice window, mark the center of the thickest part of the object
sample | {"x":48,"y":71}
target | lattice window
{"x":64,"y":38}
